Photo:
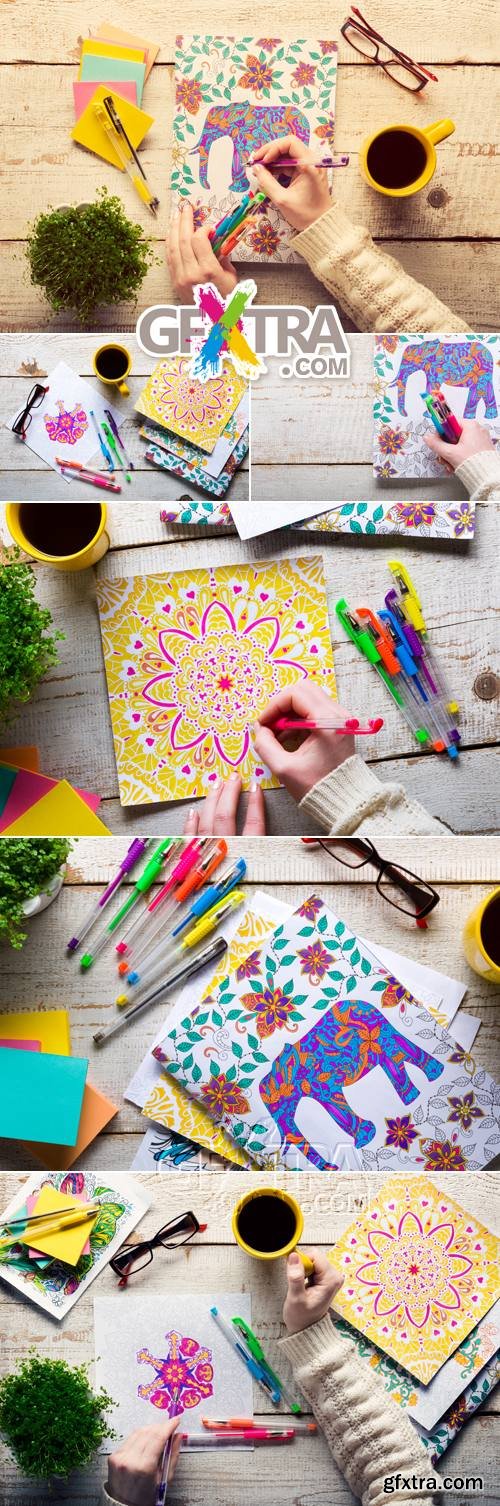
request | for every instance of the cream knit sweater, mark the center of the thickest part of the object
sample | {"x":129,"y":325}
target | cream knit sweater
{"x":373,"y":289}
{"x":352,"y":801}
{"x":367,"y":1433}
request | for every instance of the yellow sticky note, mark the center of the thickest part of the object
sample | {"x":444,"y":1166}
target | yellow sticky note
{"x":115,"y":34}
{"x":66,"y":1244}
{"x":49,"y":1026}
{"x":111,"y":50}
{"x":89,"y":133}
{"x":57,"y":814}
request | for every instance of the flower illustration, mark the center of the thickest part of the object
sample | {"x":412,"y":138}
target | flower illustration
{"x":257,"y":75}
{"x":391,"y":441}
{"x":311,"y":907}
{"x":442,"y":1155}
{"x":326,"y":130}
{"x":182,"y":1378}
{"x":268,"y":44}
{"x":189,"y":94}
{"x":386,"y":470}
{"x":221,"y":1096}
{"x":315,"y":961}
{"x":201,"y":213}
{"x":401,"y":1132}
{"x":463,"y":518}
{"x":410,"y":1264}
{"x":395,"y":995}
{"x":250,"y":967}
{"x":68,"y":425}
{"x":457,"y":1414}
{"x":186,"y":400}
{"x":215,"y":675}
{"x":327,"y":47}
{"x":462,"y":1057}
{"x":273,"y":1009}
{"x":387,"y":342}
{"x":464,"y":1110}
{"x":264,"y":239}
{"x":304,"y":73}
{"x":413,"y":514}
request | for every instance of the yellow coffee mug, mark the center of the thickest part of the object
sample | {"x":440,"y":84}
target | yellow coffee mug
{"x":421,"y":146}
{"x":112,"y":364}
{"x":481,"y":938}
{"x":92,"y":551}
{"x":249,"y":1242}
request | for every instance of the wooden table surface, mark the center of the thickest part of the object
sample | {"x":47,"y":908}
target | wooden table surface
{"x":69,"y":719}
{"x":42,"y":976}
{"x":25,"y":477}
{"x":445,"y":236}
{"x":303,"y":1473}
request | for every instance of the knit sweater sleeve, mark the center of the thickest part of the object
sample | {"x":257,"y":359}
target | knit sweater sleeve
{"x":480,"y":475}
{"x":351,"y":800}
{"x":370,"y":285}
{"x":368,"y":1434}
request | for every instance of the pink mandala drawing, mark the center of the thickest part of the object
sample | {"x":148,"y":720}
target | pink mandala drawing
{"x":186,"y":1372}
{"x":68,"y":425}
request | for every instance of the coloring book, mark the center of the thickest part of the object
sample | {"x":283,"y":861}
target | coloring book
{"x":408,"y":368}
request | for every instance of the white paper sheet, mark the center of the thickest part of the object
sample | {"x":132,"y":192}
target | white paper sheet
{"x":255,"y":518}
{"x":62,"y":425}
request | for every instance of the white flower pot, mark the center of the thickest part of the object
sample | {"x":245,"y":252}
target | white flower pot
{"x":41,"y":901}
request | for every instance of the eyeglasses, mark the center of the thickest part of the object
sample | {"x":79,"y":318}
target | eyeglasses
{"x":23,"y":420}
{"x":401,"y":888}
{"x":133,"y":1258}
{"x":401,"y":68}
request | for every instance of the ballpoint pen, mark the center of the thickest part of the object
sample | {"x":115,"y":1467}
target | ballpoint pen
{"x":242,"y":1424}
{"x":182,"y":866}
{"x":52,"y":1226}
{"x":410,"y":680}
{"x":225,"y":247}
{"x":33,"y":1218}
{"x":185,"y":970}
{"x":93,"y":478}
{"x":307,"y":724}
{"x":363,"y":640}
{"x":239,"y":1348}
{"x":411,"y":607}
{"x":163,"y":954}
{"x":410,"y":651}
{"x":104,"y":449}
{"x":110,"y":121}
{"x":193,"y":869}
{"x":207,"y":900}
{"x":257,"y":1352}
{"x":281,"y":162}
{"x":141,"y":887}
{"x":167,"y":1454}
{"x":114,"y":447}
{"x":250,"y":1439}
{"x":118,"y":438}
{"x":136,"y":850}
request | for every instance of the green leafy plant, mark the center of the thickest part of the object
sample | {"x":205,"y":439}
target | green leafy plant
{"x":88,"y":254}
{"x":50,"y":1418}
{"x":27,"y":648}
{"x":27,"y":868}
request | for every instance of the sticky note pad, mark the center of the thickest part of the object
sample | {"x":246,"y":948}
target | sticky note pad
{"x":89,"y":133}
{"x":20,"y":1045}
{"x":115,"y":34}
{"x":98,"y":69}
{"x":66,"y":1244}
{"x":58,"y":813}
{"x":83,"y":93}
{"x":41,"y":1096}
{"x":108,"y":50}
{"x":49,"y":1026}
{"x":96,"y":1113}
{"x":21,"y":758}
{"x":7,"y":779}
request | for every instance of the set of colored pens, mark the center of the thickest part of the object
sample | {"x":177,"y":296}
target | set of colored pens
{"x":443,"y":419}
{"x":172,"y":948}
{"x":94,"y":478}
{"x":140,"y":888}
{"x":395,"y":642}
{"x":228,"y":231}
{"x":209,"y":898}
{"x":179,"y":974}
{"x":195,"y":866}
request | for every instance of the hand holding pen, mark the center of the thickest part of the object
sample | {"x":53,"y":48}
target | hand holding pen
{"x":320,"y":752}
{"x":475,"y":439}
{"x":307,"y":196}
{"x":134,"y":1466}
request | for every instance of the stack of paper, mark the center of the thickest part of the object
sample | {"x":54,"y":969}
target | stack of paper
{"x":33,"y":805}
{"x":50,"y":1106}
{"x":197,"y":430}
{"x":112,"y":63}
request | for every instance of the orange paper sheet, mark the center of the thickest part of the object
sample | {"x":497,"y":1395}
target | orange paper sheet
{"x":97,"y":1111}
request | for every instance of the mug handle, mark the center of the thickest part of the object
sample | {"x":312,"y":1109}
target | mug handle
{"x":439,"y":131}
{"x":306,"y":1262}
{"x":122,"y":386}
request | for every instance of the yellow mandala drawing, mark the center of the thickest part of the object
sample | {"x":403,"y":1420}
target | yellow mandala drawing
{"x":198,"y":411}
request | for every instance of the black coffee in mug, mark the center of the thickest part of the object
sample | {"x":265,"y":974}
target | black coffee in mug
{"x":396,"y":159}
{"x":267,"y":1223}
{"x":112,"y":363}
{"x":59,"y":530}
{"x":490,"y":929}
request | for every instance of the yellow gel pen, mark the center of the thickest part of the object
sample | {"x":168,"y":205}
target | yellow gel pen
{"x":162,"y":954}
{"x":110,"y":121}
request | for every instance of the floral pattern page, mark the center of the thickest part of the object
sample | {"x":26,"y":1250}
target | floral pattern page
{"x":233,"y":95}
{"x":405,"y":1389}
{"x":197,"y":411}
{"x":419,"y":1273}
{"x":414,"y":520}
{"x":191,"y":658}
{"x":212,"y":464}
{"x":408,"y":368}
{"x":193,"y":472}
{"x":322,"y":1049}
{"x":200,"y":511}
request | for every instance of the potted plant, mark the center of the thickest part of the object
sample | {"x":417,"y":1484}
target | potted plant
{"x":84,"y":255}
{"x":27,"y":648}
{"x":50,"y":1418}
{"x":31,"y":875}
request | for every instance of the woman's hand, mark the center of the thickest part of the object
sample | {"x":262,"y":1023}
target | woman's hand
{"x":474,"y":440}
{"x":216,"y":815}
{"x":191,"y":260}
{"x":305,"y":1305}
{"x":318,"y":752}
{"x":307,"y":196}
{"x":134,"y":1470}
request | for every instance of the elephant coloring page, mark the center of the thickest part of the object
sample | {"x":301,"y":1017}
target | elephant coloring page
{"x":409,"y":368}
{"x":312,"y":1055}
{"x":232,"y":95}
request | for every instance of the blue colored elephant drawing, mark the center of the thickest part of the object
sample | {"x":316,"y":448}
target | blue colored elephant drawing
{"x":248,"y":126}
{"x":465,"y":363}
{"x":347,"y":1043}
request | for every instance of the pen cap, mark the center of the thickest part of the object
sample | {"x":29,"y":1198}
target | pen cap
{"x":196,"y":878}
{"x":136,"y":849}
{"x":409,"y":594}
{"x":152,"y":868}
